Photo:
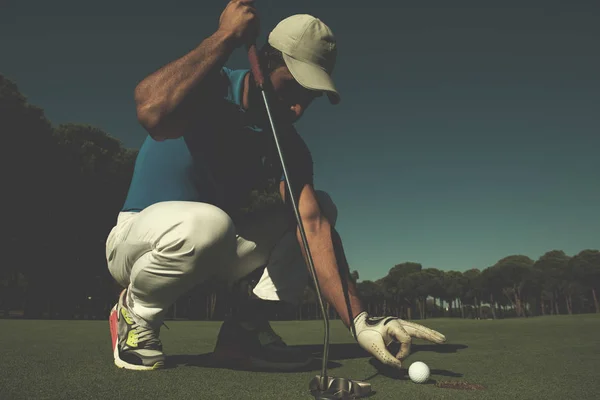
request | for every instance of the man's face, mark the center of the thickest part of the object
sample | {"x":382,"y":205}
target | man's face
{"x":292,"y":98}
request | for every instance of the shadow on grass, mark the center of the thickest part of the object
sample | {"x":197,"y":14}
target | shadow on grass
{"x":348,"y":351}
{"x":402,"y":375}
{"x":344,"y":351}
{"x":438,"y":348}
{"x":393,"y":373}
{"x":206,"y":361}
{"x":337,"y":352}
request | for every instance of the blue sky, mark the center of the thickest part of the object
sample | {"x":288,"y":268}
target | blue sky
{"x":466,"y":133}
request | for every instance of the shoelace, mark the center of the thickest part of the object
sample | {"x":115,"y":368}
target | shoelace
{"x":150,"y":339}
{"x":147,"y":336}
{"x":143,"y":334}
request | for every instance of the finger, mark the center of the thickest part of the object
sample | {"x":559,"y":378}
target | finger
{"x":400,"y":335}
{"x":249,"y":8}
{"x":248,"y":3}
{"x":378,"y":349}
{"x":422,"y":332}
{"x":242,"y":4}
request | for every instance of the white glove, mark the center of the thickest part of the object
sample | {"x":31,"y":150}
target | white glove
{"x":375,"y":334}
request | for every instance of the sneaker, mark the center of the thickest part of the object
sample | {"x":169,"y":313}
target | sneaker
{"x":134,"y":346}
{"x":259,"y":348}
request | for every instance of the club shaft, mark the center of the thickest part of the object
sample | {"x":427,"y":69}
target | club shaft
{"x":324,"y":379}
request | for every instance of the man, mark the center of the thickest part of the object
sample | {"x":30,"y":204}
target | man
{"x":209,"y":145}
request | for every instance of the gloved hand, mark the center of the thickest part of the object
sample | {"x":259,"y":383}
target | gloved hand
{"x":375,"y":334}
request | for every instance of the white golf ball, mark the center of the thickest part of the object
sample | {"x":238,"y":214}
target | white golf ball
{"x":418,"y":372}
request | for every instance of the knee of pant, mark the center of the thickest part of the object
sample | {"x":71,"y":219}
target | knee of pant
{"x":204,"y":235}
{"x":328,"y":207}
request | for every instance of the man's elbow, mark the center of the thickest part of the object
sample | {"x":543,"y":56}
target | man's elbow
{"x":151,"y":117}
{"x":145,"y":113}
{"x":156,"y":125}
{"x":150,"y":123}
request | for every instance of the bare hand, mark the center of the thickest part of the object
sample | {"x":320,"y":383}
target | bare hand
{"x":240,"y":20}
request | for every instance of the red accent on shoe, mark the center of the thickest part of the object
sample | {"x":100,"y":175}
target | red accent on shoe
{"x":114,"y":323}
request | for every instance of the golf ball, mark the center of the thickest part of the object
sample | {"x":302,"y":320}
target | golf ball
{"x":418,"y":372}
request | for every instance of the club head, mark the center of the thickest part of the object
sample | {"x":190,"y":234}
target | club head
{"x":339,"y":388}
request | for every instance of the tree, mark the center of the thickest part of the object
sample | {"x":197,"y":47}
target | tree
{"x":31,"y":155}
{"x":95,"y":171}
{"x":472,"y":290}
{"x":371,"y":293}
{"x":585,"y":269}
{"x":513,"y":273}
{"x":435,"y":288}
{"x":532,"y":291}
{"x":70,"y":182}
{"x":419,"y":285}
{"x":398,"y":289}
{"x":491,"y":287}
{"x":404,"y":269}
{"x":551,"y":266}
{"x":453,"y":283}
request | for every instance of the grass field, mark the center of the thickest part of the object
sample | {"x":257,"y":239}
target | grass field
{"x":554,"y":357}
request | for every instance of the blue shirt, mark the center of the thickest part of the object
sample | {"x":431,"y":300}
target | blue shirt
{"x":220,"y":163}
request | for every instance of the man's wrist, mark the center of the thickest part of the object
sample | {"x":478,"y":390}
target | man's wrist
{"x":227,"y":38}
{"x":357,"y":324}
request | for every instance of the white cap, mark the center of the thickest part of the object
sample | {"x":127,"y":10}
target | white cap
{"x":309,"y":51}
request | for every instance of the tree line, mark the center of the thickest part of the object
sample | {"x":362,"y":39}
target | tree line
{"x":66,"y":184}
{"x":515,"y":286}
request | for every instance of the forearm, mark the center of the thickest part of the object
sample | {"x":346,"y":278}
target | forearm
{"x":178,"y":84}
{"x":332,"y":271}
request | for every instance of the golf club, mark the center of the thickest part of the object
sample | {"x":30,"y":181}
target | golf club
{"x":322,"y":387}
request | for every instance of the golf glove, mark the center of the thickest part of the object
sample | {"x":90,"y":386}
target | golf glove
{"x":375,"y":334}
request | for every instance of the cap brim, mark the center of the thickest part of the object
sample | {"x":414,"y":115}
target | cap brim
{"x":312,"y":77}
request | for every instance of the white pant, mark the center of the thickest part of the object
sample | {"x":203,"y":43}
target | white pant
{"x":168,"y":248}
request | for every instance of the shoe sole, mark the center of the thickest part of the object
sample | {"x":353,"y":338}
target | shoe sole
{"x":114,"y":338}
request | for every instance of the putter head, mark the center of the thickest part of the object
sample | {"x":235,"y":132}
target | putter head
{"x":339,"y":388}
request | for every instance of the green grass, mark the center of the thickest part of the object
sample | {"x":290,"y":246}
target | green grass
{"x":537,"y":358}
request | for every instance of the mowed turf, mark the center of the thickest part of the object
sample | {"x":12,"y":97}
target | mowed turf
{"x":535,"y":358}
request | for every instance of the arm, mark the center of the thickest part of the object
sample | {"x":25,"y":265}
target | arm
{"x":324,"y":242}
{"x":167,"y":101}
{"x":328,"y":257}
{"x":373,"y":334}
